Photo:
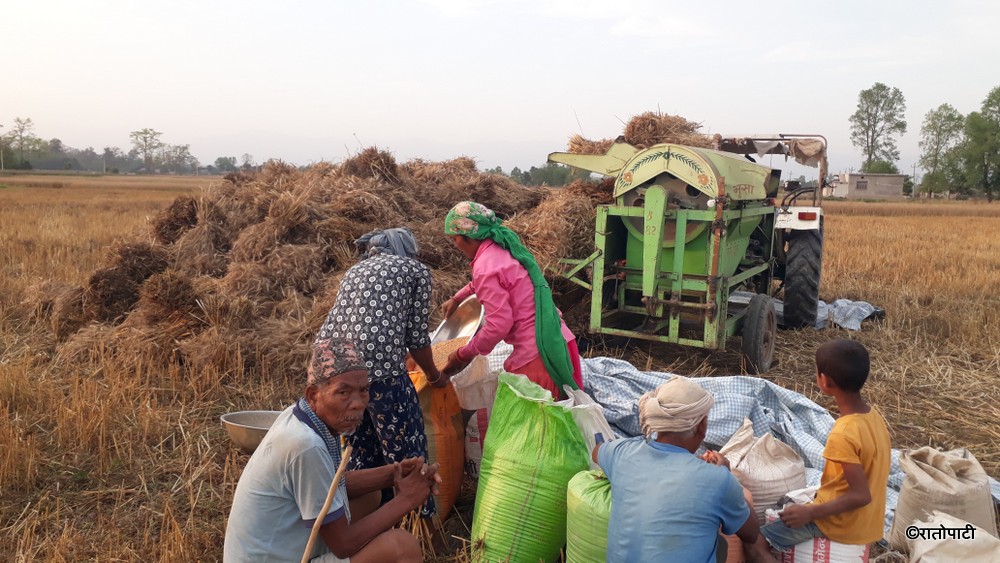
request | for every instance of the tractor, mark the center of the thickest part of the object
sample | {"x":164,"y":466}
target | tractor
{"x":697,"y":245}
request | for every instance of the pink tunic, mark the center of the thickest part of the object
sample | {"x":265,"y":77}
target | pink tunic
{"x":504,"y":289}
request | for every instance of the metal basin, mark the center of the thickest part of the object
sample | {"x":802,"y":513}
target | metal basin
{"x":463,"y":323}
{"x":247,"y":428}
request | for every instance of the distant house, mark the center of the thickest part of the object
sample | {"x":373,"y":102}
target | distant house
{"x":869,"y":186}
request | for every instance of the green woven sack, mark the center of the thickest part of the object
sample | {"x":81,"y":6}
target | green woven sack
{"x":588,"y":508}
{"x":532,"y":451}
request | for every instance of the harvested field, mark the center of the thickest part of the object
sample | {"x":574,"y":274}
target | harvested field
{"x":113,"y":449}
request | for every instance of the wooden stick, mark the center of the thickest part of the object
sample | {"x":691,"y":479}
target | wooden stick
{"x":326,"y":505}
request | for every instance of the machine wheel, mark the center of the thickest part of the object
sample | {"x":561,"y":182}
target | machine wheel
{"x":759,"y":328}
{"x":802,"y":272}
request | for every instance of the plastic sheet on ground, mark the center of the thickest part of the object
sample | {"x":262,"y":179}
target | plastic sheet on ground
{"x":846,"y":313}
{"x":791,"y":417}
{"x":842,"y":312}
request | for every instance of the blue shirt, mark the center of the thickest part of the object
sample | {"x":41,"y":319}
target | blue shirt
{"x":666,"y":503}
{"x":279,"y":495}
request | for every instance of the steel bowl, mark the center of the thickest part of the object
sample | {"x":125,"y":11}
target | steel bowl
{"x":247,"y":428}
{"x":463,"y":323}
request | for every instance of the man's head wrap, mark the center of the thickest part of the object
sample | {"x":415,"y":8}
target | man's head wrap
{"x":675,"y":406}
{"x":398,"y":241}
{"x":332,"y":357}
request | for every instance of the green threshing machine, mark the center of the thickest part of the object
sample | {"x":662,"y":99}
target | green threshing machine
{"x":692,"y":233}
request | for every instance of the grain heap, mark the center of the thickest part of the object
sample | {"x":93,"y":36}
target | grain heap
{"x":238,"y":279}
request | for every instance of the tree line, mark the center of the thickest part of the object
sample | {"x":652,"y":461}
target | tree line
{"x":551,"y":174}
{"x":960,"y":154}
{"x":21,"y":149}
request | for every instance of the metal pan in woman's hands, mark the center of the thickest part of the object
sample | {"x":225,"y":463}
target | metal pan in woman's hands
{"x":463,"y":323}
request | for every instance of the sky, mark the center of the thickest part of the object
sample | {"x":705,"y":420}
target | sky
{"x":503,"y":81}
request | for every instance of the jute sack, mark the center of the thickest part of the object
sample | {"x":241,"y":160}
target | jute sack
{"x":767,"y":467}
{"x":963,"y":541}
{"x":534,"y":449}
{"x":952,"y":482}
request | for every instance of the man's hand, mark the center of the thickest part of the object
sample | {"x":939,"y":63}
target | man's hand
{"x":411,"y":463}
{"x":448,"y":307}
{"x":414,"y":488}
{"x":432,"y":473}
{"x":454,"y":365}
{"x":715,"y":458}
{"x":797,"y":515}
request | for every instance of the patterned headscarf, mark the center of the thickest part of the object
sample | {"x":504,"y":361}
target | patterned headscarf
{"x":398,"y":241}
{"x":332,"y":357}
{"x":479,"y":222}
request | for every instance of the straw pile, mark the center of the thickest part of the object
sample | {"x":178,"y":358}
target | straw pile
{"x":652,"y":128}
{"x":239,"y":278}
{"x":645,"y":130}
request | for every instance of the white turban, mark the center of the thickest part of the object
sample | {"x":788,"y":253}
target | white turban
{"x":675,"y":406}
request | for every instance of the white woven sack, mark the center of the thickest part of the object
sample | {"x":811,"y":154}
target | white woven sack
{"x":766,"y":466}
{"x":820,"y":550}
{"x":952,"y":482}
{"x":476,"y":386}
{"x":589,"y":418}
{"x":958,"y":546}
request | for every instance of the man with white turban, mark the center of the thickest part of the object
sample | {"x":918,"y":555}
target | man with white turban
{"x":666,"y":503}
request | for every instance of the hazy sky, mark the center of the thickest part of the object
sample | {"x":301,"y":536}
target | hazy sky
{"x":504,"y":81}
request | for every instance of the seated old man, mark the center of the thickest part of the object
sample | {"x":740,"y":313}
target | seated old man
{"x":666,"y":503}
{"x":285,"y":484}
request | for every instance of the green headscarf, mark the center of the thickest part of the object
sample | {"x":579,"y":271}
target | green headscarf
{"x":477,"y":221}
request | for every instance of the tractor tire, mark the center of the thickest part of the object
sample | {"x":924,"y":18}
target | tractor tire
{"x":759,"y":329}
{"x":802,"y":272}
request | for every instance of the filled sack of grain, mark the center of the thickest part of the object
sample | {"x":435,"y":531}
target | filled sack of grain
{"x":588,"y":508}
{"x":820,"y":550}
{"x":952,"y":482}
{"x":534,"y":449}
{"x":445,"y":438}
{"x":767,"y":467}
{"x":475,"y":436}
{"x":942,"y":538}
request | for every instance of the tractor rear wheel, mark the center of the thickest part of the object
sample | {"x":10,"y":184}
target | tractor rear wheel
{"x":802,"y":272}
{"x":759,"y":328}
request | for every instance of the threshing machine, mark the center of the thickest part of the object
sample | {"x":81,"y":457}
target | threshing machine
{"x":689,"y":228}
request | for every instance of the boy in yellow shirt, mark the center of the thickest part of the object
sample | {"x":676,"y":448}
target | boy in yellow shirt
{"x":849,"y":507}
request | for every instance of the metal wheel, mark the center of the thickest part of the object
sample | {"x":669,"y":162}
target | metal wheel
{"x":802,"y":273}
{"x":759,"y":328}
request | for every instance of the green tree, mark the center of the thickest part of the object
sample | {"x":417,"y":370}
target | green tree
{"x":178,"y":159}
{"x":980,"y":154}
{"x":940,"y":133}
{"x":146,"y":142}
{"x":880,"y":166}
{"x":517,"y":175}
{"x":226,"y":164}
{"x":877,"y":121}
{"x":22,"y":138}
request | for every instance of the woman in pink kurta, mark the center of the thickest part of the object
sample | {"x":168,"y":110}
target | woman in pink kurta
{"x":505,"y":290}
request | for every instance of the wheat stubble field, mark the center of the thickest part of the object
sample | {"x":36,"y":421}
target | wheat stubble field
{"x":119,"y":461}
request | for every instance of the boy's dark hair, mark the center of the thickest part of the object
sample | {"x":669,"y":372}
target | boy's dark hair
{"x":846,"y":362}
